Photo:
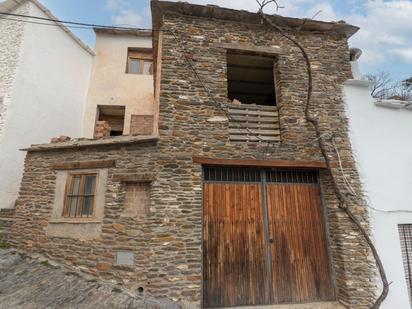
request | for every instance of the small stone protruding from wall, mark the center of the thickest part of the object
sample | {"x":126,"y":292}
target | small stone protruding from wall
{"x":60,"y":139}
{"x":102,"y":129}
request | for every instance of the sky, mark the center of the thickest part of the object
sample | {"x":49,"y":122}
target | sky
{"x":385,"y":36}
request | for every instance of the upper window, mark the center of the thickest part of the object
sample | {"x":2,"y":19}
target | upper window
{"x":139,"y":62}
{"x":250,"y":79}
{"x":80,"y":195}
{"x":134,"y":66}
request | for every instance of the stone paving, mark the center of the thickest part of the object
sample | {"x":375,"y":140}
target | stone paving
{"x":33,"y":283}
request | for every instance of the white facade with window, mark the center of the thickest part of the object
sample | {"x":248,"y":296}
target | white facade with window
{"x":44,"y":77}
{"x":381,"y":134}
{"x":121,"y":79}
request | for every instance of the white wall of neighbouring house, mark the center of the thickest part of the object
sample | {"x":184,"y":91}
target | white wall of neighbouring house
{"x":382,"y":143}
{"x":112,"y":85}
{"x":47,"y":97}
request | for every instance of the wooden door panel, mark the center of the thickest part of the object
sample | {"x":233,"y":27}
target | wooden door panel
{"x":234,"y":270}
{"x":298,"y":248}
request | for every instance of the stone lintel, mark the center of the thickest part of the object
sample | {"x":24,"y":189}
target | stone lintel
{"x":133,"y":178}
{"x":82,"y":165}
{"x":249,"y":48}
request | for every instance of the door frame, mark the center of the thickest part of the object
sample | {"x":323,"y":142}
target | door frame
{"x":263,"y":184}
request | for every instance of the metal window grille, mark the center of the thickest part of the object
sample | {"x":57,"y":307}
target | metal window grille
{"x":232,"y":174}
{"x":250,"y":174}
{"x":405,"y":234}
{"x":292,"y":176}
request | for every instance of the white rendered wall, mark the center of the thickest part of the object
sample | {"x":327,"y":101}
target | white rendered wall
{"x":111,"y":85}
{"x":47,"y":98}
{"x":382,"y":142}
{"x":11,"y":36}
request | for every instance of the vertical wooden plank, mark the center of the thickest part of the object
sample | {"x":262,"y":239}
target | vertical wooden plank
{"x":66,"y":193}
{"x":80,"y":203}
{"x":234,"y":261}
{"x":300,"y":263}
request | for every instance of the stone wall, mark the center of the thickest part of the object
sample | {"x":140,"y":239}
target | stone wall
{"x":11,"y":33}
{"x":7,"y":219}
{"x":166,"y":241}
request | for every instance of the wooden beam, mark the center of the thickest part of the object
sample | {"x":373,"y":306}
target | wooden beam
{"x":158,"y":76}
{"x":261,"y":163}
{"x":263,"y":50}
{"x":82,"y":165}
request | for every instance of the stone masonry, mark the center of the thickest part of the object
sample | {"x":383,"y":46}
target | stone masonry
{"x":167,"y":240}
{"x":7,"y":219}
{"x":11,"y":34}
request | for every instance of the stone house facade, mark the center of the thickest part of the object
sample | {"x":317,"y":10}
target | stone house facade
{"x":151,"y":230}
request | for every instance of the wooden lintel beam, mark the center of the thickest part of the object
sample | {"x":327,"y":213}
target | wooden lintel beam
{"x":82,"y":165}
{"x":261,"y":163}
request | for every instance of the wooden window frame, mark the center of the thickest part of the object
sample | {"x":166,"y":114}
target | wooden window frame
{"x":81,"y":195}
{"x":140,"y":56}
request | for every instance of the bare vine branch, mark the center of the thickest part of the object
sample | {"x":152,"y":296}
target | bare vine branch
{"x":342,"y":203}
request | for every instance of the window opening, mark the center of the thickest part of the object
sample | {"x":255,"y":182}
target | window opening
{"x":250,"y":79}
{"x":80,"y":195}
{"x":114,"y":117}
{"x":139,"y":62}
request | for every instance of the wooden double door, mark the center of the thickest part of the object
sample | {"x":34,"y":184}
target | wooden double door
{"x":264,"y":238}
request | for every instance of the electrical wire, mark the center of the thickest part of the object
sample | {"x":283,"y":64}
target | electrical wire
{"x":43,"y":24}
{"x":75,"y":23}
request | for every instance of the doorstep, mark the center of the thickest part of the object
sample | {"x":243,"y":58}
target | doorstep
{"x":321,"y":305}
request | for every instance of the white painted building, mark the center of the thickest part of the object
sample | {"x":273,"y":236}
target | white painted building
{"x":381,"y":134}
{"x":44,"y":79}
{"x":121,"y":86}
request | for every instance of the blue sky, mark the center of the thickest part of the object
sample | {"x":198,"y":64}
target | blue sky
{"x":385,"y":36}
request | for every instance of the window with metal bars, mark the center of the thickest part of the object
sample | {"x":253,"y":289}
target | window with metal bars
{"x":250,"y":174}
{"x":80,"y":195}
{"x":292,"y":176}
{"x":405,"y":235}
